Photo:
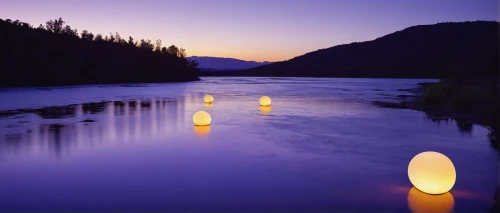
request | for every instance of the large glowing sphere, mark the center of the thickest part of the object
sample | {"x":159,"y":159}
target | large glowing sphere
{"x":202,"y":118}
{"x":420,"y":202}
{"x":208,"y":99}
{"x":432,"y":173}
{"x":265,"y":101}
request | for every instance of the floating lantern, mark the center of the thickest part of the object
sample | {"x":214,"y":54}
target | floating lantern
{"x":202,"y":118}
{"x":265,"y":109}
{"x":201,"y":130}
{"x":265,"y":101}
{"x":208,"y":99}
{"x":209,"y":105}
{"x":420,"y":202}
{"x":432,"y":173}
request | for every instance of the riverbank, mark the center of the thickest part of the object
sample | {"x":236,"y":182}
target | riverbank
{"x":468,"y":102}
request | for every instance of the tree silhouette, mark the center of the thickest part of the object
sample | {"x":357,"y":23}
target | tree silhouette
{"x":55,"y":26}
{"x":157,"y":46}
{"x":131,"y":41}
{"x":98,"y":37}
{"x":119,"y":38}
{"x":173,"y":50}
{"x":87,"y":36}
{"x":181,"y":53}
{"x":57,"y":55}
{"x":146,"y":44}
{"x":111,"y":37}
{"x":68,"y":31}
{"x":193,"y":63}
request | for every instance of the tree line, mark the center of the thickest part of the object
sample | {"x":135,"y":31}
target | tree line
{"x":56,"y":54}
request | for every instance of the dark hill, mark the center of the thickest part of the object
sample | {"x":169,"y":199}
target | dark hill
{"x":426,"y":51}
{"x":55,"y":54}
{"x":225,"y":64}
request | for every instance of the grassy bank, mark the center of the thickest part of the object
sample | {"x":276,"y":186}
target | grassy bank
{"x":475,"y":100}
{"x":471,"y":101}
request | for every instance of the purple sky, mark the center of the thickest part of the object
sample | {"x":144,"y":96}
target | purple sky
{"x":258,"y":30}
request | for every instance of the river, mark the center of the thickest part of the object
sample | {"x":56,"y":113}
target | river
{"x":321,"y":146}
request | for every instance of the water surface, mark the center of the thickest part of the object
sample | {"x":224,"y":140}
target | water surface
{"x":321,"y":146}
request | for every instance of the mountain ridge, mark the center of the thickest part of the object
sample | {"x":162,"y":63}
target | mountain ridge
{"x":420,"y":51}
{"x":223,"y":63}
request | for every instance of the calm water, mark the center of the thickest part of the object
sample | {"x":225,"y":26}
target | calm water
{"x":321,"y":146}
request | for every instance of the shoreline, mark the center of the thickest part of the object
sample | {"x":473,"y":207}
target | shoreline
{"x":124,"y":84}
{"x":442,"y":113}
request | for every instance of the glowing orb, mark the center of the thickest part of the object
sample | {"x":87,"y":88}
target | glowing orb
{"x":265,"y":101}
{"x":432,"y":173}
{"x":201,"y":118}
{"x":201,"y":130}
{"x":420,"y":202}
{"x":208,"y":99}
{"x":209,"y":105}
{"x":265,"y":109}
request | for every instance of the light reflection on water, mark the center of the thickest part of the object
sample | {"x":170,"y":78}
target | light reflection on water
{"x":420,"y":202}
{"x":137,"y":120}
{"x":319,"y":147}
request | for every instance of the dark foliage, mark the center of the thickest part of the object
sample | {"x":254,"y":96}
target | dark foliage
{"x":56,"y":55}
{"x":441,"y":50}
{"x":473,"y":99}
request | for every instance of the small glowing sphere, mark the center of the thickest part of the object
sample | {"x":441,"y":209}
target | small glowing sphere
{"x":265,"y":101}
{"x":208,"y":99}
{"x":202,"y":118}
{"x":209,"y":105}
{"x":265,"y":109}
{"x":420,"y":202}
{"x":432,"y":173}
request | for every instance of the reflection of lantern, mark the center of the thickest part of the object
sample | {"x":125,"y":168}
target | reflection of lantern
{"x":265,"y":109}
{"x":432,"y":172}
{"x":201,"y":130}
{"x":209,"y":105}
{"x":208,"y":99}
{"x":265,"y":101}
{"x":201,"y":118}
{"x":420,"y":202}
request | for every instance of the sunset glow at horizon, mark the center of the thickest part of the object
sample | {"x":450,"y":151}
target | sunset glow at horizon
{"x":256,"y":30}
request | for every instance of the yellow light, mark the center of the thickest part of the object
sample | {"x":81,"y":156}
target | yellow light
{"x":208,"y":99}
{"x":202,"y":118}
{"x":201,"y":130}
{"x":265,"y":109}
{"x":432,"y":173}
{"x":265,"y":101}
{"x":209,"y":105}
{"x":420,"y":202}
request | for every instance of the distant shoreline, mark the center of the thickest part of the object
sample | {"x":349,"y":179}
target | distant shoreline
{"x":203,"y":74}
